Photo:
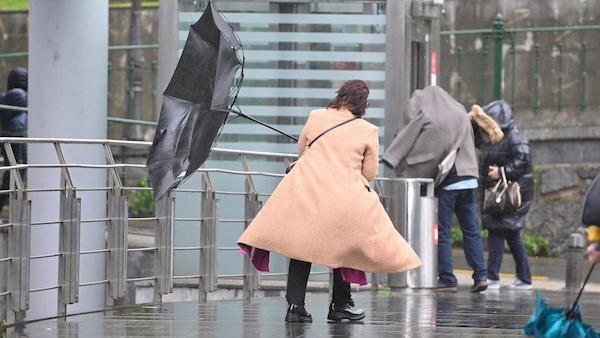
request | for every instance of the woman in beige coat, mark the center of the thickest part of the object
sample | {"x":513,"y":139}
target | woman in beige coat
{"x":325,"y":212}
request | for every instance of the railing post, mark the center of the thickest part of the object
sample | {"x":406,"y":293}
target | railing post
{"x":498,"y":40}
{"x":251,"y":207}
{"x":459,"y":82}
{"x":584,"y":76}
{"x":69,"y":239}
{"x":561,"y":50}
{"x":537,"y":79}
{"x":575,"y":261}
{"x":163,"y":238}
{"x":117,"y":231}
{"x":208,"y":239}
{"x":19,"y":244}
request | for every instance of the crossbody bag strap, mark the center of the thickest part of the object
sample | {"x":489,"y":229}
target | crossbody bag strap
{"x":332,"y":128}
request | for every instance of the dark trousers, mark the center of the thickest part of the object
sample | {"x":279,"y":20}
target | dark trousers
{"x":461,"y":203}
{"x":298,"y":277}
{"x":496,"y":240}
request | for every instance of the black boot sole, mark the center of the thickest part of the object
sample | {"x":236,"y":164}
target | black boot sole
{"x":340,"y":316}
{"x":296,"y":318}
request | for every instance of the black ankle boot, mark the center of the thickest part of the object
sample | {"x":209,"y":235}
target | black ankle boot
{"x":297,"y":314}
{"x":339,"y":312}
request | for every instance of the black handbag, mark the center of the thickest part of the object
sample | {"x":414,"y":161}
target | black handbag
{"x":289,"y":168}
{"x":502,"y":199}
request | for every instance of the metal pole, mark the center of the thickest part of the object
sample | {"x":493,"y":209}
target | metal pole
{"x":208,"y":239}
{"x":575,"y":261}
{"x":163,"y":239}
{"x":498,"y":40}
{"x":135,"y":78}
{"x":251,"y":207}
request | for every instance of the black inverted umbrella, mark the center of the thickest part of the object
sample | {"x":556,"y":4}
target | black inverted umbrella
{"x":196,"y":102}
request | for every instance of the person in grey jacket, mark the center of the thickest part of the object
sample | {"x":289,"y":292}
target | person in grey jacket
{"x":436,"y":129}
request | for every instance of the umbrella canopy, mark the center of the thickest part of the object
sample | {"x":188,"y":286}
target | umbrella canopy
{"x":196,"y":102}
{"x":549,"y":322}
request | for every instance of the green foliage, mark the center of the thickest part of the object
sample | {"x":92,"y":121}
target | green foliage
{"x":142,"y":202}
{"x":456,"y":236}
{"x":14,"y":5}
{"x":536,"y":245}
{"x":384,"y":292}
{"x":537,"y":174}
{"x":2,"y":328}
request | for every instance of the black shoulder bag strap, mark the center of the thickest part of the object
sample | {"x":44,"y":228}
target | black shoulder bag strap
{"x":330,"y":129}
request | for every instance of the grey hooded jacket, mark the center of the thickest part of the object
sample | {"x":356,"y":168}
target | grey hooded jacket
{"x":432,"y":125}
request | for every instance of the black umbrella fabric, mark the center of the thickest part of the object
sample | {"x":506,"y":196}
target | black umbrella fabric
{"x":196,"y":102}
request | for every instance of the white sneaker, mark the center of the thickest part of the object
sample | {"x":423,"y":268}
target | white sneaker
{"x":519,"y":285}
{"x":493,"y":284}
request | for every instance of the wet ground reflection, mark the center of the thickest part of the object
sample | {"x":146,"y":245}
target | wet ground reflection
{"x":401,"y":314}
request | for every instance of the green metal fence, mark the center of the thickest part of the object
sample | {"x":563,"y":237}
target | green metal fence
{"x":532,"y":67}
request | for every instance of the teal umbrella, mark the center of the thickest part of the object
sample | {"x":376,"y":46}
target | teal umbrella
{"x":549,"y":322}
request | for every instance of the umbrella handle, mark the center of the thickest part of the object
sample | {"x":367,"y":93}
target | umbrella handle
{"x":571,"y":312}
{"x":239,"y":113}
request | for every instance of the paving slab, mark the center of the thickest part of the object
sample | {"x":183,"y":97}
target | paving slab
{"x":403,"y":313}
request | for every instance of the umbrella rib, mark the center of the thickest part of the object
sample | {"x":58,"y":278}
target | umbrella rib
{"x":239,"y":113}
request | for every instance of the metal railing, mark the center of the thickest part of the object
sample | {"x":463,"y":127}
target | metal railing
{"x":555,"y":74}
{"x":15,"y":235}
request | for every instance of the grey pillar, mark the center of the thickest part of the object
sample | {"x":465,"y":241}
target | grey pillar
{"x":396,"y":66}
{"x":68,"y":60}
{"x":168,"y":41}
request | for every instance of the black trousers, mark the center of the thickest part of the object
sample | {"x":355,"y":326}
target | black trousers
{"x":298,"y":277}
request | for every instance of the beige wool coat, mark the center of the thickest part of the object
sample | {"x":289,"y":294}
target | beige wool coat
{"x":324,"y":211}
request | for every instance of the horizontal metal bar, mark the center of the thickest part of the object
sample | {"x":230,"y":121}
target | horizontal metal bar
{"x":187,"y":277}
{"x":320,"y":273}
{"x":292,"y":18}
{"x":95,"y":189}
{"x":4,"y":106}
{"x":45,"y":222}
{"x":241,"y":173}
{"x":131,"y":121}
{"x":7,"y":259}
{"x":143,"y":219}
{"x":46,"y":256}
{"x":6,"y":293}
{"x":191,"y":190}
{"x":84,"y":166}
{"x":274,"y":274}
{"x":228,"y":248}
{"x":130,"y":47}
{"x":190,"y":219}
{"x":94,"y":283}
{"x":95,"y":220}
{"x":552,"y":29}
{"x":87,"y":252}
{"x":142,"y":144}
{"x":141,"y":279}
{"x":5,"y":225}
{"x":232,"y":220}
{"x":187,"y":248}
{"x":142,"y":249}
{"x":467,"y":31}
{"x":13,"y":55}
{"x":235,"y":193}
{"x":44,"y":289}
{"x":231,"y":276}
{"x":137,"y":188}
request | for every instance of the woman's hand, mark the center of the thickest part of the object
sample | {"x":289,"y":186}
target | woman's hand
{"x":493,"y":172}
{"x":593,"y":253}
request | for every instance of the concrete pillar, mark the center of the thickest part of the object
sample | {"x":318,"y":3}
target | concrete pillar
{"x":68,"y":59}
{"x":168,"y":49}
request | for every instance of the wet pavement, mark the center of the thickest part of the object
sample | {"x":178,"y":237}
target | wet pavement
{"x":398,"y":314}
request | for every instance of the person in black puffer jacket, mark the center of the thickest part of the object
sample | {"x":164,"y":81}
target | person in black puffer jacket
{"x":512,"y":154}
{"x":13,"y":122}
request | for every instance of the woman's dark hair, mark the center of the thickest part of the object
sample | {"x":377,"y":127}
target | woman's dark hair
{"x":353,"y":96}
